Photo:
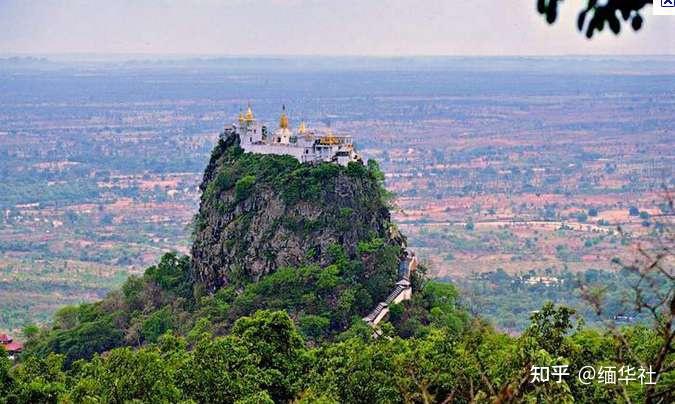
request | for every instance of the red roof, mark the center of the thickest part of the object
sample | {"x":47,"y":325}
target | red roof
{"x":14,"y":347}
{"x":5,"y":339}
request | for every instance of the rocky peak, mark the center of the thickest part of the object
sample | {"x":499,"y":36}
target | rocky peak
{"x":259,"y":213}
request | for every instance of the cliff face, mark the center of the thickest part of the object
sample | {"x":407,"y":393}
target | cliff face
{"x":259,"y":213}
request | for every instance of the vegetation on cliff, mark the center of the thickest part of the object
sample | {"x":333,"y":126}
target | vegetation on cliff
{"x":259,"y":213}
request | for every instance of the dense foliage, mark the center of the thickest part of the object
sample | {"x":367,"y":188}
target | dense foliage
{"x":322,"y":301}
{"x":265,"y":359}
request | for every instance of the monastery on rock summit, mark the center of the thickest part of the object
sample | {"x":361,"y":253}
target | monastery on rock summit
{"x":306,"y":145}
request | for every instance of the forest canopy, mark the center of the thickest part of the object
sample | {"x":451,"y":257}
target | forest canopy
{"x":151,"y":341}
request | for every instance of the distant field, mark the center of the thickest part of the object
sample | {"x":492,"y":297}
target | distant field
{"x":31,"y":290}
{"x":518,"y":164}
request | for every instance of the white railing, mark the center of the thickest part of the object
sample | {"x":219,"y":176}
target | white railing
{"x":402,"y":291}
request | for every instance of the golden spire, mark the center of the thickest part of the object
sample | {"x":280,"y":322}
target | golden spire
{"x":249,"y":114}
{"x":283,"y":120}
{"x":302,"y":129}
{"x":241,"y":117}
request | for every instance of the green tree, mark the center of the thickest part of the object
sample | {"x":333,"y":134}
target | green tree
{"x":5,"y":379}
{"x":314,"y":327}
{"x":272,"y":337}
{"x":66,"y":317}
{"x":353,"y":371}
{"x":243,"y":187}
{"x":220,"y":370}
{"x":31,"y":333}
{"x":125,"y":375}
{"x":156,"y":324}
{"x":92,"y":335}
{"x":549,"y":326}
{"x":172,"y":273}
{"x":38,"y":380}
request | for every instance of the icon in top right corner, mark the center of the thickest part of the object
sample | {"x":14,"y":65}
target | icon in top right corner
{"x":664,"y":7}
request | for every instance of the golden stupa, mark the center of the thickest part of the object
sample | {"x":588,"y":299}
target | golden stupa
{"x":283,"y":120}
{"x":248,"y":117}
{"x":302,"y":129}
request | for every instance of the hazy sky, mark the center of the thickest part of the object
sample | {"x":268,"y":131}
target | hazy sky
{"x":312,"y":27}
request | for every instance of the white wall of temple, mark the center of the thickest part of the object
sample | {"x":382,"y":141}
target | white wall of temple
{"x":297,"y":152}
{"x":303,"y":149}
{"x":249,"y":134}
{"x":303,"y":142}
{"x":282,"y":136}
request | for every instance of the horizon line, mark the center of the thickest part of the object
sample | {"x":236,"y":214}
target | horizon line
{"x":309,"y":55}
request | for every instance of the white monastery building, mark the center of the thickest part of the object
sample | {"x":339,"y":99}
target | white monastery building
{"x":306,"y":145}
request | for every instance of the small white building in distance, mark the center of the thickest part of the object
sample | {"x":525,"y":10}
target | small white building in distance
{"x":306,"y":145}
